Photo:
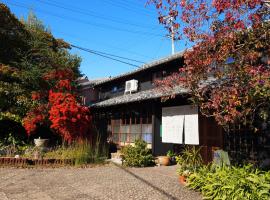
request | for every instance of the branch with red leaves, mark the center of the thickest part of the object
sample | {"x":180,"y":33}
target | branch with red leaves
{"x":231,"y":47}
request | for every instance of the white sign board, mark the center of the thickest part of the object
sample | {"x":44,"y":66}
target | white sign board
{"x":179,"y":120}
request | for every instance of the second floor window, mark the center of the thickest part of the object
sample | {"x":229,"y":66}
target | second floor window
{"x":157,"y":76}
{"x":114,"y":89}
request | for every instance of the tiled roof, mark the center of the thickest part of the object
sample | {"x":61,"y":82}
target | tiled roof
{"x":91,"y":82}
{"x":139,"y":96}
{"x":150,"y":94}
{"x":145,"y":67}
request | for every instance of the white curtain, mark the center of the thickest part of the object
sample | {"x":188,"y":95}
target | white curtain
{"x":178,"y":120}
{"x":172,"y":125}
{"x":191,"y":125}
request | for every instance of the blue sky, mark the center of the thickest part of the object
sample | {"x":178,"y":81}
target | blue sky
{"x":125,"y":28}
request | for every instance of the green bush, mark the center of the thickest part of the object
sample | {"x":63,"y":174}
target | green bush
{"x":171,"y":154}
{"x":11,"y":144}
{"x":189,"y":161}
{"x":241,"y":183}
{"x":137,"y":155}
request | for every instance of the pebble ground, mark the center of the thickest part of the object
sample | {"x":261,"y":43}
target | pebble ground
{"x":100,"y":182}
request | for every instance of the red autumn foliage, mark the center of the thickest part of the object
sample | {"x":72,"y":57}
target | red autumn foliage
{"x":34,"y":118}
{"x":63,"y":85}
{"x":61,"y":110}
{"x":227,"y":69}
{"x":36,"y":95}
{"x":59,"y":74}
{"x":67,"y":117}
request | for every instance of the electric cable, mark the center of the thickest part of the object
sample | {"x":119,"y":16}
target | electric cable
{"x":105,"y":56}
{"x":102,"y":26}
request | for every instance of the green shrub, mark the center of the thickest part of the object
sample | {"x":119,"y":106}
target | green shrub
{"x":85,"y":152}
{"x":189,"y":161}
{"x":231,"y":183}
{"x":81,"y":152}
{"x":190,"y":156}
{"x":11,"y":144}
{"x":171,"y":154}
{"x":137,"y":155}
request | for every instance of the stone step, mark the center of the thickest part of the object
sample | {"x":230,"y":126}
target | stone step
{"x":116,"y":155}
{"x":118,"y":151}
{"x":116,"y":161}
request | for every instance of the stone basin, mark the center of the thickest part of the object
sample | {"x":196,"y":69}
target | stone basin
{"x":41,"y":142}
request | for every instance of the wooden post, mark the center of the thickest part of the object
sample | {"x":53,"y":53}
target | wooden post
{"x":153,"y":129}
{"x":130,"y":123}
{"x":120,"y":128}
{"x":112,"y":127}
{"x":140,"y":122}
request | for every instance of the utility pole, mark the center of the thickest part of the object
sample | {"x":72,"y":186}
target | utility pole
{"x":170,"y":21}
{"x":172,"y":29}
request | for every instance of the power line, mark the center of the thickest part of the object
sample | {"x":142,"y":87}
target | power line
{"x":91,"y":50}
{"x":118,"y":56}
{"x":105,"y":56}
{"x":110,"y":54}
{"x":97,"y":15}
{"x":126,"y":7}
{"x":137,"y":3}
{"x":104,"y":44}
{"x":72,"y":36}
{"x":102,"y":26}
{"x":90,"y":13}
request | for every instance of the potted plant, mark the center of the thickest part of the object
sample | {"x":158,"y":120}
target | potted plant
{"x":171,"y":156}
{"x":189,"y":162}
{"x":183,"y":173}
{"x":163,"y":160}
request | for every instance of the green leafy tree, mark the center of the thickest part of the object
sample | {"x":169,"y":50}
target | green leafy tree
{"x":28,"y":51}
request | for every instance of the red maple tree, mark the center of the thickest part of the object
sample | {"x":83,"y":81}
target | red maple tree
{"x":227,"y":69}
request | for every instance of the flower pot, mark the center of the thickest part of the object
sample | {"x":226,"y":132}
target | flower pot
{"x":164,"y":160}
{"x":182,"y":180}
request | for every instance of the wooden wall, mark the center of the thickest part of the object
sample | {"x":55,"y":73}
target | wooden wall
{"x":210,"y":134}
{"x":211,"y":137}
{"x":146,"y":79}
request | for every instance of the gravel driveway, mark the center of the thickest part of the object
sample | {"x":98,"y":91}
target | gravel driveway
{"x":102,"y":182}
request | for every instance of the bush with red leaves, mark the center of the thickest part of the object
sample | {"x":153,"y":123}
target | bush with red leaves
{"x":61,"y":112}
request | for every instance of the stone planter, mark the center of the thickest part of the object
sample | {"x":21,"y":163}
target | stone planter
{"x":40,"y":142}
{"x":164,"y":160}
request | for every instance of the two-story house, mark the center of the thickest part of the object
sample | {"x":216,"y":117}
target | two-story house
{"x":129,"y":106}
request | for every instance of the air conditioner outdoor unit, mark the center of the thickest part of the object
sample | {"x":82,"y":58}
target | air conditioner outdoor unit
{"x":131,"y":86}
